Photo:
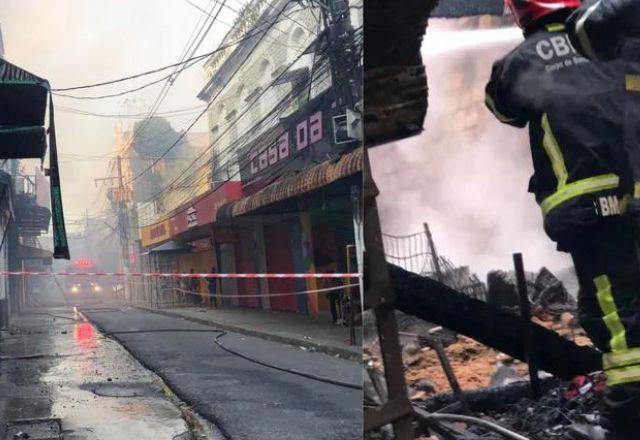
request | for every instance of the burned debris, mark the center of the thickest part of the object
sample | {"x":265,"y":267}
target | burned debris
{"x":545,"y":291}
{"x":462,"y":352}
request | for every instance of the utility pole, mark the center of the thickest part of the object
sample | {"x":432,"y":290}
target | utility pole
{"x":346,"y":72}
{"x":122,"y":215}
{"x":123,"y":226}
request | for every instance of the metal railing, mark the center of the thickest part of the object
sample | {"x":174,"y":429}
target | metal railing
{"x":417,"y":253}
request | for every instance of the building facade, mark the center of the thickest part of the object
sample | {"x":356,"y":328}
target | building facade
{"x":283,"y":166}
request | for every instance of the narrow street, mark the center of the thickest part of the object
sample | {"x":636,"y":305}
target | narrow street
{"x":84,"y":378}
{"x":245,"y":400}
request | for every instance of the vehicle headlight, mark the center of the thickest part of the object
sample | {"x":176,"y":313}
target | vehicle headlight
{"x":97,"y":288}
{"x":74,"y":289}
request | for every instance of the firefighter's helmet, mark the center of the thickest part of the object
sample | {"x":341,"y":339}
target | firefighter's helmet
{"x":527,"y":12}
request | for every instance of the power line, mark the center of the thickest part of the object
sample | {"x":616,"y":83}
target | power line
{"x":166,"y":114}
{"x":126,"y":92}
{"x":289,"y":98}
{"x":190,"y":45}
{"x":160,"y":69}
{"x":229,"y":148}
{"x":233,"y":146}
{"x":211,"y":101}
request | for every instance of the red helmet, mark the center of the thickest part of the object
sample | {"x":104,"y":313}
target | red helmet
{"x":527,"y":12}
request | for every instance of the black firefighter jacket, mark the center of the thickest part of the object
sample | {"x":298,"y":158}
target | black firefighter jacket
{"x":610,"y":29}
{"x":573,"y":110}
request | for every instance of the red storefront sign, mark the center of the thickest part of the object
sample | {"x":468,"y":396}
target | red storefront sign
{"x":203,"y":211}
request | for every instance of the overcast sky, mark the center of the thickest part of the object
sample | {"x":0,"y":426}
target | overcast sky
{"x":76,"y":42}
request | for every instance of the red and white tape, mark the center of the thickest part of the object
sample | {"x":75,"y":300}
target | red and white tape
{"x":187,"y":275}
{"x":270,"y":295}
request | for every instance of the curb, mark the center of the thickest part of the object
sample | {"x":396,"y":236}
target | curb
{"x":345,"y":353}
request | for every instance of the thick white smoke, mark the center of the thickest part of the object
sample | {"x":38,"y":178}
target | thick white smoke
{"x":466,"y":174}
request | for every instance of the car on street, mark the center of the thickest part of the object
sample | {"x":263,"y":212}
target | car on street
{"x":85,"y":288}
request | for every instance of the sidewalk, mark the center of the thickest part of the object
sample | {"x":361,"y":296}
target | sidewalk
{"x":59,"y":377}
{"x":288,"y":328}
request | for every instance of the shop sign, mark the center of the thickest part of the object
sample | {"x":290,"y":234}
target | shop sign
{"x":204,"y":244}
{"x":192,"y":217}
{"x":155,"y":233}
{"x":203,"y":212}
{"x":303,"y":139}
{"x":305,"y":134}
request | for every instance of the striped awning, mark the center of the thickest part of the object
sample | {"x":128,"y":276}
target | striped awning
{"x":304,"y":182}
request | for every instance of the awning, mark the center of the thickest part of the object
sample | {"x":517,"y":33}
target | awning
{"x":304,"y":182}
{"x":33,"y":253}
{"x":169,"y":246}
{"x":23,"y":104}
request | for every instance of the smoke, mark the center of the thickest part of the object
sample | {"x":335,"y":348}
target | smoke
{"x":74,"y":42}
{"x":466,"y":174}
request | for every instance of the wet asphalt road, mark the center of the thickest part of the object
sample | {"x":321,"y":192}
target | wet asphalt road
{"x":60,"y":373}
{"x":244,"y":400}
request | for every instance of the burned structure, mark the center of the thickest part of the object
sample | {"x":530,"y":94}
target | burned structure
{"x":396,"y":95}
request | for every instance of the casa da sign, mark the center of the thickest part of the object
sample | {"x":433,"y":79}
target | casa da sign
{"x":305,"y":134}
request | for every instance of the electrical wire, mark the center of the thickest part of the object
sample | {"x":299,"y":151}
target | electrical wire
{"x":173,"y":184}
{"x":194,"y":122}
{"x":234,"y":146}
{"x":166,"y":114}
{"x":187,"y":52}
{"x":188,"y":62}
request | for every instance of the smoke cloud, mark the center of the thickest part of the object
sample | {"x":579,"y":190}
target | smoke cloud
{"x":466,"y":174}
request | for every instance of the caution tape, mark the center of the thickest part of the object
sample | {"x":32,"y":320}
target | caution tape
{"x":187,"y":275}
{"x":258,"y":295}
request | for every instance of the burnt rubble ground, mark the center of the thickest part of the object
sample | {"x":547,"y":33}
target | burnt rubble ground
{"x":496,"y":386}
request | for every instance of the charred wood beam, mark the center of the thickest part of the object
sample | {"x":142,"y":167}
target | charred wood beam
{"x":434,"y":302}
{"x":395,"y":84}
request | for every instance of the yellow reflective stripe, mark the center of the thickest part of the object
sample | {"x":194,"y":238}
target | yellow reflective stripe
{"x":623,"y":375}
{"x":578,"y":188}
{"x":555,"y":27}
{"x":611,"y":318}
{"x":621,"y":359}
{"x":636,"y":190}
{"x":632,"y":83}
{"x":552,"y":148}
{"x":492,"y":106}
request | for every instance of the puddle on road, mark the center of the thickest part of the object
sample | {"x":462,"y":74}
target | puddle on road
{"x":105,"y":394}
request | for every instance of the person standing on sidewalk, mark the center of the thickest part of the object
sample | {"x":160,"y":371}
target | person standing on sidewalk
{"x":193,"y":289}
{"x":333,"y":296}
{"x":212,"y":286}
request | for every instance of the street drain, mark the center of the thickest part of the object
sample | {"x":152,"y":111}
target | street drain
{"x":120,"y":389}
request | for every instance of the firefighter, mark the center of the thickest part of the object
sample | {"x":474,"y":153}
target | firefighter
{"x":605,"y":30}
{"x":581,"y":175}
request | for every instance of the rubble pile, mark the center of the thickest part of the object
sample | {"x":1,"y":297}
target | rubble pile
{"x":473,"y":364}
{"x":544,"y":289}
{"x":495,"y":384}
{"x":476,"y":365}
